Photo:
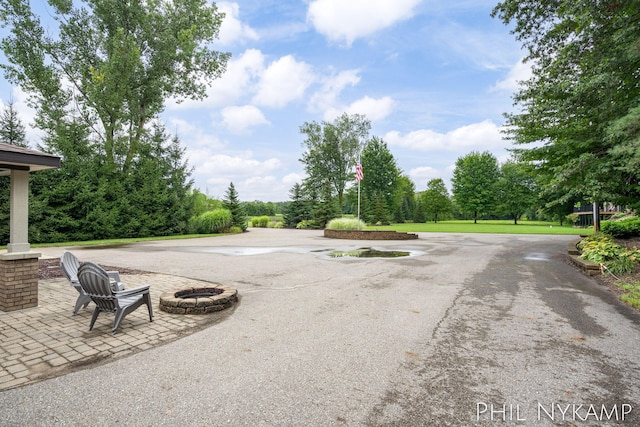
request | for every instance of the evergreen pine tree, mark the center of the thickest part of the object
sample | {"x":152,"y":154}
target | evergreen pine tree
{"x":11,"y":128}
{"x":11,"y":132}
{"x":326,"y":208}
{"x":232,"y":203}
{"x":296,"y":210}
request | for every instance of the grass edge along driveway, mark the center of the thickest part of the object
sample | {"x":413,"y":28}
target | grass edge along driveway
{"x":489,"y":226}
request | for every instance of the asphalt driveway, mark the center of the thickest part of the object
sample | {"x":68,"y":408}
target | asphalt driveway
{"x":468,"y":330}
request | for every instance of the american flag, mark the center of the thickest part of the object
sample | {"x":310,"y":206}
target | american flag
{"x":359,"y":174}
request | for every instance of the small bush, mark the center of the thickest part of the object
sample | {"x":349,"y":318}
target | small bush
{"x":602,"y":249}
{"x":625,"y":264}
{"x":573,"y":218}
{"x":620,"y":215}
{"x":599,"y":248}
{"x":215,"y":221}
{"x":307,"y":224}
{"x":345,"y":224}
{"x":622,"y":229}
{"x":260,"y":221}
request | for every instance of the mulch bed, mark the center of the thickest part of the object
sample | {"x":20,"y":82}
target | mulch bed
{"x":50,"y":269}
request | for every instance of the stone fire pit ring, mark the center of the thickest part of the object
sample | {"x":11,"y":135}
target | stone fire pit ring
{"x":201,"y":300}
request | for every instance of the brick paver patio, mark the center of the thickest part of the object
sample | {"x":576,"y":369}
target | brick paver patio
{"x":48,"y":340}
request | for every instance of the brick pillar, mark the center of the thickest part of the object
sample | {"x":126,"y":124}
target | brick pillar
{"x":18,"y":281}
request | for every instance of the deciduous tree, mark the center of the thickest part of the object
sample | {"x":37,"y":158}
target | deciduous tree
{"x":516,"y":189}
{"x":579,"y":115}
{"x":332,"y":149}
{"x":474,"y":181}
{"x":436,"y":200}
{"x":111,"y":64}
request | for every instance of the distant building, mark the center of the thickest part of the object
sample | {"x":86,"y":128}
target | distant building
{"x":585,"y":213}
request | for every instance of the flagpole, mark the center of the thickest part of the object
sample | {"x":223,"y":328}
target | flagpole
{"x":359,"y":176}
{"x":359,"y":205}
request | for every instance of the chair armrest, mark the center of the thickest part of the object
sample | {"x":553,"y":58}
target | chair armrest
{"x":133,"y":291}
{"x":114,"y":279}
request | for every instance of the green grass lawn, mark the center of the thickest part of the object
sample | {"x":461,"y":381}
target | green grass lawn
{"x":494,"y":227}
{"x":121,"y":241}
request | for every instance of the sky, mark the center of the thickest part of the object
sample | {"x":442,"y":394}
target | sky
{"x":433,"y":77}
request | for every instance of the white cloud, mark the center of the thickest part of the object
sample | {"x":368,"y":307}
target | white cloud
{"x":332,"y":87}
{"x":253,"y":178}
{"x":241,"y":75}
{"x":232,"y":29}
{"x":483,"y":49}
{"x":424,"y":173}
{"x":240,"y":119}
{"x":240,"y":78}
{"x":347,"y":21}
{"x":477,"y":136}
{"x":518,"y":73}
{"x":373,"y":109}
{"x":285,"y":80}
{"x":227,"y":167}
{"x":194,"y":137}
{"x":291,"y":179}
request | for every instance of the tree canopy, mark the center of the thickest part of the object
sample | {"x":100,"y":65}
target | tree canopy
{"x":473,"y":183}
{"x":516,"y":189}
{"x":436,"y":201}
{"x":581,"y":108}
{"x":98,"y":74}
{"x":332,"y":150}
{"x":12,"y":131}
{"x":232,"y":203}
{"x":111,"y":64}
{"x":380,"y":184}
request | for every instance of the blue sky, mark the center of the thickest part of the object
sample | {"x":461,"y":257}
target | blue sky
{"x":433,"y":77}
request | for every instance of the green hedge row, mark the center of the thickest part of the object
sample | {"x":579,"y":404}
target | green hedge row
{"x":623,"y":229}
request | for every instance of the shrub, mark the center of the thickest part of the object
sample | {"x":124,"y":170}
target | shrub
{"x":235,"y":229}
{"x":573,"y":218}
{"x":307,"y":224}
{"x":260,"y":221}
{"x":625,"y":264}
{"x":345,"y":224}
{"x":620,"y":215}
{"x":623,"y":229}
{"x":215,"y":221}
{"x":602,"y":249}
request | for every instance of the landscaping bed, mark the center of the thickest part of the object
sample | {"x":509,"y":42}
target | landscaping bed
{"x":368,"y":235}
{"x":626,"y":285}
{"x":49,"y":268}
{"x":613,"y":282}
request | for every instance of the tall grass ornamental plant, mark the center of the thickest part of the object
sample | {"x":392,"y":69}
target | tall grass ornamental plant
{"x":346,"y":224}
